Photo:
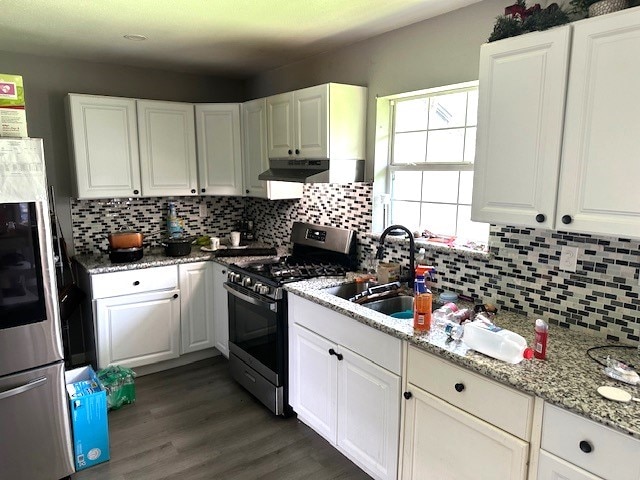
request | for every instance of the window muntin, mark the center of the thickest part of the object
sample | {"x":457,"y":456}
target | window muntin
{"x":430,"y":167}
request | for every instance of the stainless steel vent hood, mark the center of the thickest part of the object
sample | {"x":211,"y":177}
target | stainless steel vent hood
{"x":314,"y":171}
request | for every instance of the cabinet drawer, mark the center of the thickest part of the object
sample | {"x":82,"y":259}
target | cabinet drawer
{"x":134,"y":281}
{"x":609,"y":454}
{"x":491,"y":401}
{"x":554,"y":468}
{"x":373,"y":344}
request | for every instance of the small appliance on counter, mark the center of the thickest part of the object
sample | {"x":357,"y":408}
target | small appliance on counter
{"x":245,"y":227}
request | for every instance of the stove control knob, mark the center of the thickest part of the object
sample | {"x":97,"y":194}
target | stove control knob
{"x":262,"y":289}
{"x":246,"y":282}
{"x":233,"y":277}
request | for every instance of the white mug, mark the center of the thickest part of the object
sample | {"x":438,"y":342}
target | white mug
{"x":234,"y":238}
{"x":214,"y":243}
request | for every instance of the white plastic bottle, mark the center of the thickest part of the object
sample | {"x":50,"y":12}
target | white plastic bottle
{"x":496,"y":342}
{"x":443,"y":316}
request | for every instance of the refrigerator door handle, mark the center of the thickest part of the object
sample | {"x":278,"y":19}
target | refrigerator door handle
{"x":38,"y":382}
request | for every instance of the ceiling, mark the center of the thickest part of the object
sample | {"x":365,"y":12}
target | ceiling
{"x":231,"y":37}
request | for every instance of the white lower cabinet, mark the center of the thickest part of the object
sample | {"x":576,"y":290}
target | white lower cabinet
{"x":196,"y":306}
{"x":574,"y":447}
{"x":460,"y":425}
{"x":368,"y":413}
{"x":138,"y":329}
{"x":220,"y":309}
{"x":444,"y":442}
{"x":551,"y":467}
{"x":146,"y":316}
{"x":351,"y":400}
{"x":314,"y":401}
{"x":136,"y":315}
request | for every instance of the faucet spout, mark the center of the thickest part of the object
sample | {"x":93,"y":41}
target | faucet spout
{"x":412,"y":248}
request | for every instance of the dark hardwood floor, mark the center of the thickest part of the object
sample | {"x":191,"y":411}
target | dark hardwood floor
{"x":195,"y":422}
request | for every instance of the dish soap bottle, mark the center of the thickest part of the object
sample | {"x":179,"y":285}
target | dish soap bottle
{"x":422,"y":301}
{"x":174,"y":230}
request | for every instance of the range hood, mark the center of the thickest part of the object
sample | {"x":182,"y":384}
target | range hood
{"x":314,"y":171}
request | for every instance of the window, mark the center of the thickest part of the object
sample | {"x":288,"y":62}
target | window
{"x":432,"y":141}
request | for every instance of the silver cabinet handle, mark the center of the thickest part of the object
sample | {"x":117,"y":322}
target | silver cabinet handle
{"x":38,"y":382}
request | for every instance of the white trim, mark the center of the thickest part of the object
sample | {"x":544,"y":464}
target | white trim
{"x":432,"y":91}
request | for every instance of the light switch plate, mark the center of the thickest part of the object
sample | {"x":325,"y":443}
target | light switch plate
{"x":569,"y":259}
{"x":203,"y":210}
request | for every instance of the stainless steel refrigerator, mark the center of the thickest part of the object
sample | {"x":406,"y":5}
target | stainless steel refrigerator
{"x":35,"y":437}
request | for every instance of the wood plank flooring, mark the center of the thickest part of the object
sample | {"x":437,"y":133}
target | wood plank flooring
{"x":195,"y":422}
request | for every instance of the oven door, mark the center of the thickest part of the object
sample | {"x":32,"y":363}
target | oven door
{"x":257,"y":333}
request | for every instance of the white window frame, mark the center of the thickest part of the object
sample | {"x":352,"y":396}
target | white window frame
{"x":384,"y":169}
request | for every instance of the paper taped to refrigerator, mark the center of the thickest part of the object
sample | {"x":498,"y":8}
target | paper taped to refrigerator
{"x":22,"y":172}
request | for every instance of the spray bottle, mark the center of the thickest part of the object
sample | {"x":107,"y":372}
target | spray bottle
{"x":422,"y":301}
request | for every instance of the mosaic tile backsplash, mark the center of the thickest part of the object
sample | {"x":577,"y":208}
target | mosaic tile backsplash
{"x":521,"y":273}
{"x":93,"y":220}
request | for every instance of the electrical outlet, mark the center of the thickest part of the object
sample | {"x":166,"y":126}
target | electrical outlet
{"x":203,"y":210}
{"x":569,"y":259}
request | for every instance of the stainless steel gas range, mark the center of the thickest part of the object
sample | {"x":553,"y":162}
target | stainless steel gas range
{"x":258,"y":307}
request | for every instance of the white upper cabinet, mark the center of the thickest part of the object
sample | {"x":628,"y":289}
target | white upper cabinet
{"x":520,"y":116}
{"x":280,"y":120}
{"x":104,"y":140}
{"x":167,"y":148}
{"x":219,"y":149}
{"x":522,"y":83}
{"x":600,"y":162}
{"x":325,"y":121}
{"x":255,"y":160}
{"x":311,"y":114}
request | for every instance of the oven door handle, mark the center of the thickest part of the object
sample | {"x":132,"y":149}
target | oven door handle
{"x":273,"y":306}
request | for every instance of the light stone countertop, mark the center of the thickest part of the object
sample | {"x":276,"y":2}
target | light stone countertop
{"x":155,"y":257}
{"x":567,"y":378}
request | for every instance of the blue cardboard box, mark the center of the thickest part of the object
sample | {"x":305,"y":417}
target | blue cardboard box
{"x":88,"y":408}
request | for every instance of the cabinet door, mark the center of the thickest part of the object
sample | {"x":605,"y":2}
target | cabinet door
{"x":139,"y":329}
{"x":219,"y":149}
{"x":551,"y":467}
{"x":221,"y":309}
{"x":196,"y":306}
{"x":167,"y":148}
{"x":441,"y":441}
{"x":104,"y":141}
{"x":313,"y":378}
{"x":255,"y":160}
{"x":520,"y":114}
{"x":600,"y":168}
{"x":312,"y":122}
{"x":368,"y":414}
{"x":280,"y":133}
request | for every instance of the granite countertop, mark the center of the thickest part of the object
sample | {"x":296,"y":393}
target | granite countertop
{"x":567,"y":378}
{"x":155,"y":257}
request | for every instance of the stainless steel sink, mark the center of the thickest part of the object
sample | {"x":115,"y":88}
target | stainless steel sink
{"x":346,"y":290}
{"x":391,"y":305}
{"x":386,"y":306}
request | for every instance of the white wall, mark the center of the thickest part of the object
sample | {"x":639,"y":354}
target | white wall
{"x":435,"y":52}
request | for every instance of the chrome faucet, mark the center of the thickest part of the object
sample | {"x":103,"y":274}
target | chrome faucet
{"x":412,"y":247}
